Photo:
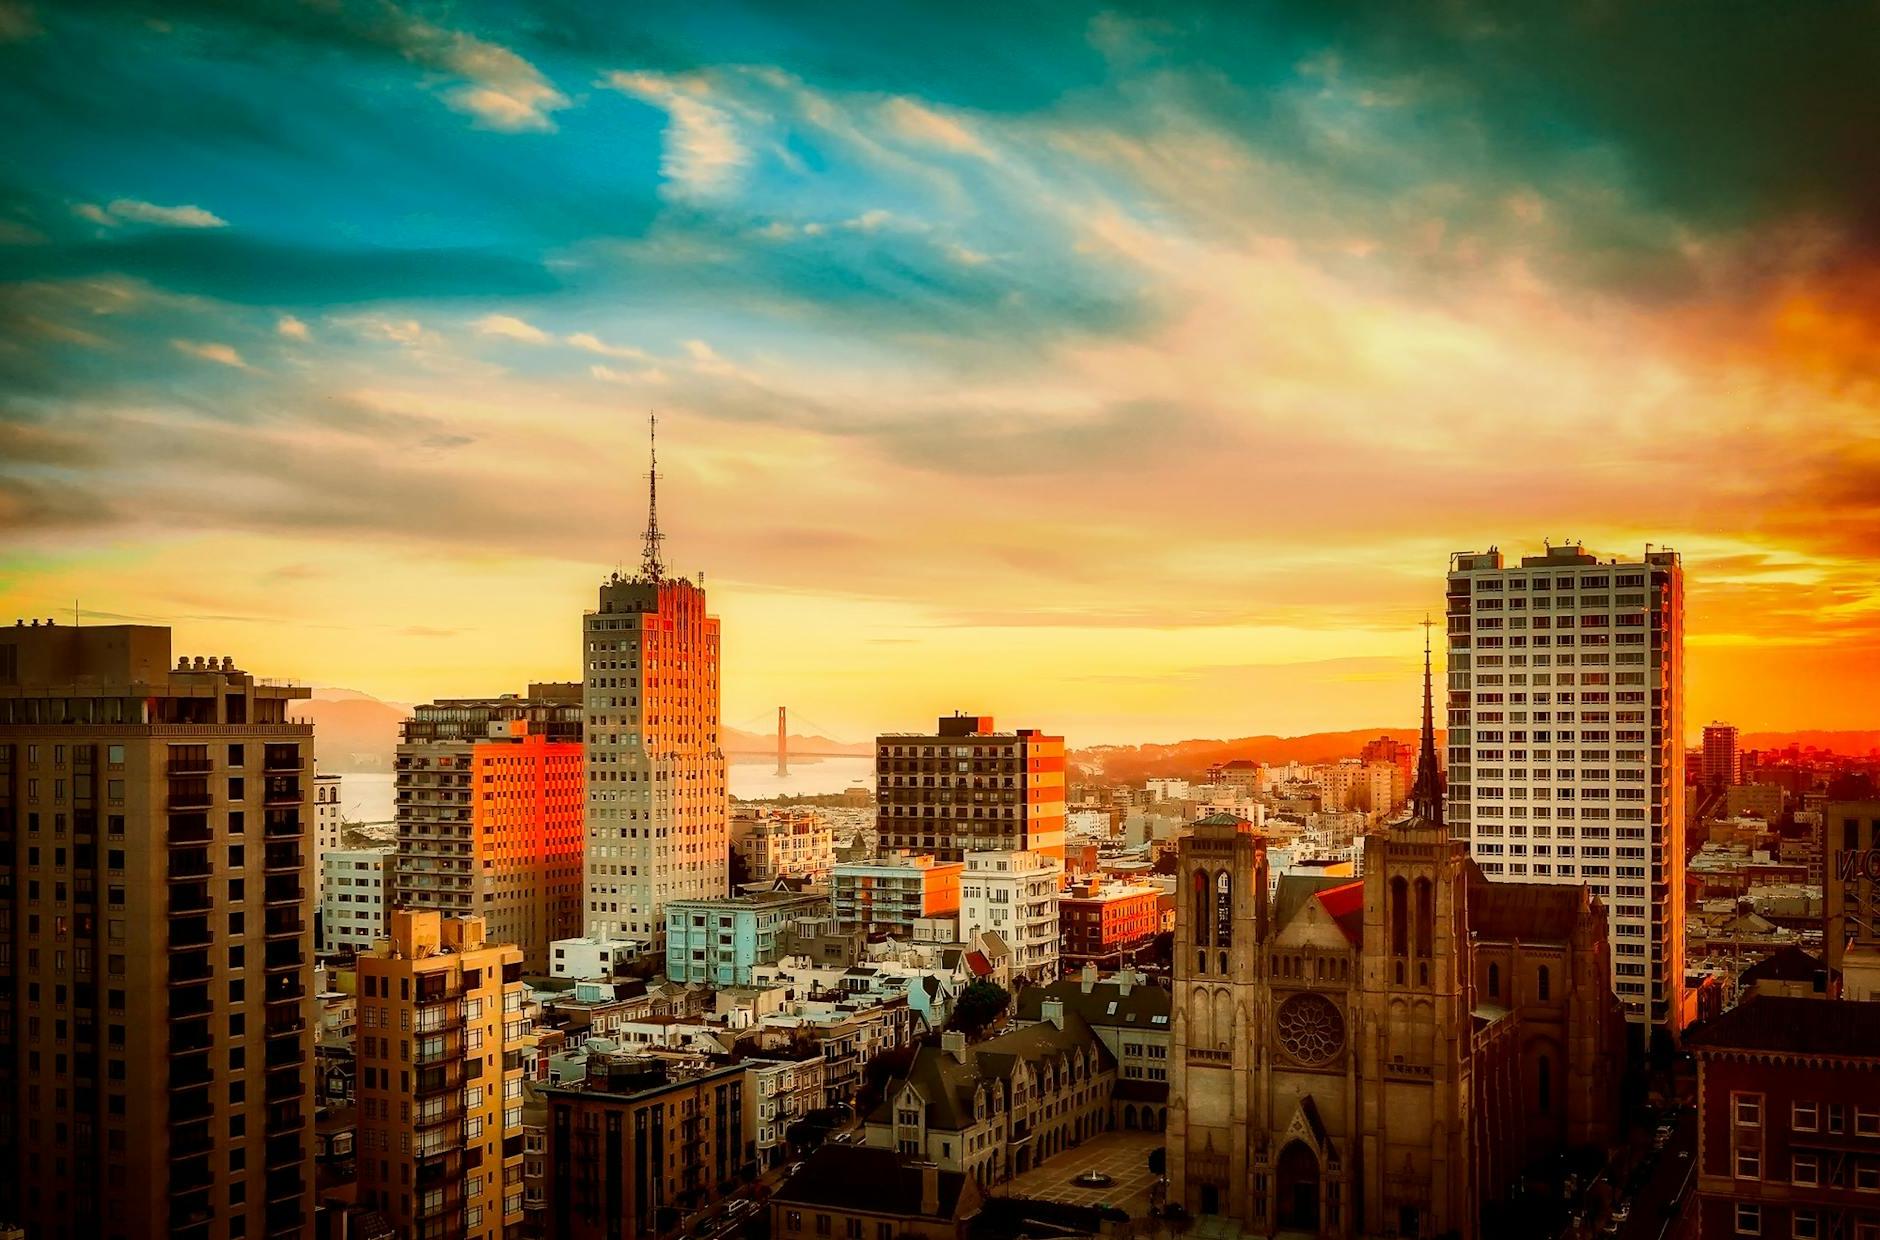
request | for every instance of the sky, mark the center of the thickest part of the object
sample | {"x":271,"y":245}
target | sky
{"x":1130,"y":372}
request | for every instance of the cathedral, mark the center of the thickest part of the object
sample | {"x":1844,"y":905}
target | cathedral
{"x":1380,"y":1056}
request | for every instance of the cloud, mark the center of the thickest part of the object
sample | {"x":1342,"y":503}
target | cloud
{"x":210,"y":351}
{"x":703,"y":155}
{"x":920,"y":123}
{"x":292,"y":328}
{"x":594,"y":344}
{"x":131,"y":211}
{"x":511,"y":328}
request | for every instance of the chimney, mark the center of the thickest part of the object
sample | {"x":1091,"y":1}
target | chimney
{"x":929,"y":1189}
{"x":1125,"y":979}
{"x":1088,"y":979}
{"x":953,"y":1043}
{"x":1053,"y":1011}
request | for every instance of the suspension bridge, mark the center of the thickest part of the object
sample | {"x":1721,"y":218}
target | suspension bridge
{"x":816,"y":744}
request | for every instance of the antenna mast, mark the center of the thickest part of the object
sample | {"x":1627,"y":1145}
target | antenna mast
{"x":652,"y":567}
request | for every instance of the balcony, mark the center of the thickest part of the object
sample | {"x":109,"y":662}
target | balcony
{"x":194,"y":765}
{"x":283,"y":857}
{"x":440,"y":1079}
{"x":188,"y":1106}
{"x":188,"y":1175}
{"x":284,"y":1084}
{"x":189,"y":1036}
{"x":191,"y":932}
{"x":282,"y":824}
{"x":282,"y":954}
{"x":190,"y":967}
{"x":282,"y":1021}
{"x":286,"y":1218}
{"x":283,"y":889}
{"x":194,"y":898}
{"x":188,"y":1140}
{"x":285,"y":1185}
{"x":286,"y":1053}
{"x":283,"y":758}
{"x":192,"y":1210}
{"x":439,"y":1049}
{"x":191,"y":1072}
{"x":190,"y":863}
{"x":285,"y":1117}
{"x":285,"y":1151}
{"x":283,"y":986}
{"x":283,"y":923}
{"x":440,"y":1112}
{"x":190,"y":829}
{"x":190,"y":1001}
{"x":190,"y":794}
{"x":281,"y":790}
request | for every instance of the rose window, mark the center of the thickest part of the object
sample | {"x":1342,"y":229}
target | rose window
{"x":1310,"y":1029}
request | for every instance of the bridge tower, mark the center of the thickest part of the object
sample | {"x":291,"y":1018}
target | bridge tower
{"x":783,"y":742}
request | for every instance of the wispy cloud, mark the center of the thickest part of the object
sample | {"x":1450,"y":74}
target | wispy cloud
{"x":510,"y":327}
{"x":704,"y":154}
{"x":131,"y":211}
{"x":211,"y":351}
{"x":292,"y":328}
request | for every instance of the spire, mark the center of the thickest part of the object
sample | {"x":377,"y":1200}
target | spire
{"x":652,"y":568}
{"x":1426,"y":799}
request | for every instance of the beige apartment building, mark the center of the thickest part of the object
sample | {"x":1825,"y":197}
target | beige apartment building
{"x":489,"y":796}
{"x":967,"y":787}
{"x":155,"y":948}
{"x":441,"y":1028}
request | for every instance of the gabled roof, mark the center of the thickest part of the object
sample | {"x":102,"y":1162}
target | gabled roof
{"x":1293,"y":892}
{"x":866,"y":1178}
{"x":1345,"y":904}
{"x":1103,"y":1005}
{"x":1787,"y":964}
{"x":948,"y":1084}
{"x":1501,"y":911}
{"x":1220,"y":818}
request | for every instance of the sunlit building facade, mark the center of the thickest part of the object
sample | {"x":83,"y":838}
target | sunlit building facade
{"x":967,"y":787}
{"x":1566,"y":743}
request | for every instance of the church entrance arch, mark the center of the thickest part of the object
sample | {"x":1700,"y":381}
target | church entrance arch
{"x":1298,"y":1182}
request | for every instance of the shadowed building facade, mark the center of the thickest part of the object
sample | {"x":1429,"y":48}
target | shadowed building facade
{"x":1375,"y":1057}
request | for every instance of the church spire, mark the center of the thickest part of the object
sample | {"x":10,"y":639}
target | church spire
{"x":652,"y":568}
{"x":1426,"y":800}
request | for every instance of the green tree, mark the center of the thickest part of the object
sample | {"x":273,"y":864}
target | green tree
{"x":978,"y":1006}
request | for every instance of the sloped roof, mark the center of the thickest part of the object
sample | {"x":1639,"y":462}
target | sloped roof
{"x":1345,"y":904}
{"x":1788,"y":964}
{"x":1104,"y":1005}
{"x":1220,"y":818}
{"x":1293,"y":892}
{"x":863,"y":1177}
{"x":948,"y":1084}
{"x":977,"y":962}
{"x":1502,"y":911}
{"x":1795,"y":1026}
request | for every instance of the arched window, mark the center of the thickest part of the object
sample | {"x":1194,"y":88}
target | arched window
{"x":1201,"y":960}
{"x":1541,"y":983}
{"x":1494,"y":981}
{"x":1426,"y":917}
{"x":1224,"y":909}
{"x":1203,"y":909}
{"x":1399,"y":918}
{"x":1201,"y":1020}
{"x":1544,"y":1083}
{"x":1224,"y":969}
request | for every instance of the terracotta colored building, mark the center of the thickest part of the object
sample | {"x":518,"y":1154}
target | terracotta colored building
{"x":490,"y":814}
{"x":1788,"y":1116}
{"x":156,"y":1068}
{"x":1380,"y":1057}
{"x":968,"y":788}
{"x":1106,"y":924}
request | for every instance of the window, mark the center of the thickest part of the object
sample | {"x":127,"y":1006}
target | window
{"x":1807,"y":1225}
{"x":1748,"y":1219}
{"x":1867,"y":1177}
{"x":1806,"y":1170}
{"x":1804,"y":1116}
{"x":1866,"y":1123}
{"x":1749,"y":1164}
{"x":1747,"y":1109}
{"x":1543,"y":984}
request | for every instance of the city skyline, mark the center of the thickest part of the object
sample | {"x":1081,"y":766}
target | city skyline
{"x":1145,"y":372}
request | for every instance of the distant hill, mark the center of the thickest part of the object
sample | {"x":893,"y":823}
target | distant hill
{"x":353,"y":733}
{"x":738,"y":741}
{"x":1183,"y":759}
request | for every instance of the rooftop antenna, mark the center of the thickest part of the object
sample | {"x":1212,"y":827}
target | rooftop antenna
{"x":652,"y":568}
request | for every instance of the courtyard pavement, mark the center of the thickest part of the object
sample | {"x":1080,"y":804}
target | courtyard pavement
{"x":1122,"y":1155}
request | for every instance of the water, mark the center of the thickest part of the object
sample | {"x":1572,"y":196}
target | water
{"x":368,"y":798}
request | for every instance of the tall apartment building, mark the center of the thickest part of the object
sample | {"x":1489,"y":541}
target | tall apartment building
{"x":890,"y":894}
{"x":967,"y":788}
{"x":441,"y":1027}
{"x":489,"y":806}
{"x":355,"y":911}
{"x":328,"y":818}
{"x":1723,"y":763}
{"x":1014,"y":895}
{"x":658,"y":814}
{"x":155,"y":952}
{"x":1566,"y":743}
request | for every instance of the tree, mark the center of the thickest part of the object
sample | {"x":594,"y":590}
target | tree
{"x":1158,"y":1160}
{"x":978,"y":1006}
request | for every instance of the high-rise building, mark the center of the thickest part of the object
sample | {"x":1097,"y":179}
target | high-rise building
{"x":356,"y":908}
{"x":1566,"y":743}
{"x":658,"y":816}
{"x":1723,"y":763}
{"x":489,"y":807}
{"x":967,"y":788}
{"x":155,"y":948}
{"x":328,"y":819}
{"x":439,"y":1085}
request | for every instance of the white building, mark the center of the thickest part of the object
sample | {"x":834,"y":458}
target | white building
{"x":327,"y":821}
{"x":356,"y":903}
{"x":589,"y":958}
{"x":1566,"y":742}
{"x":1015,"y":895}
{"x":783,"y":843}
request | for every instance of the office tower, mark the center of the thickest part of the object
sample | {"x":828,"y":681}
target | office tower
{"x":155,"y":952}
{"x":356,"y":907}
{"x":658,"y":819}
{"x":1566,"y":743}
{"x":440,"y":1078}
{"x":966,"y":788}
{"x":327,"y":821}
{"x":1723,"y":763}
{"x":1850,"y":844}
{"x":489,"y":812}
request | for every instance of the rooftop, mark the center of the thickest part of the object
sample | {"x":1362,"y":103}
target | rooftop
{"x":1793,"y":1026}
{"x":864,"y":1178}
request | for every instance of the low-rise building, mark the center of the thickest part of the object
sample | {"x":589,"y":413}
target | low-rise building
{"x":1131,"y":1016}
{"x":869,"y":1194}
{"x":1107,"y":924}
{"x":356,"y":897}
{"x":783,"y":843}
{"x":591,"y":958}
{"x":785,"y":1085}
{"x":890,"y":894}
{"x":1788,"y":1117}
{"x":640,"y":1143}
{"x":718,"y":941}
{"x":1015,"y":894}
{"x":1001,"y":1107}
